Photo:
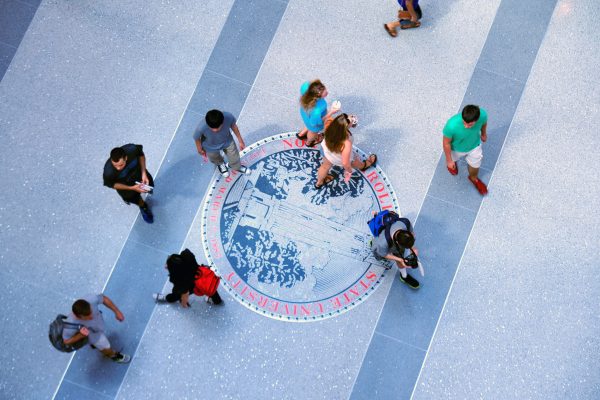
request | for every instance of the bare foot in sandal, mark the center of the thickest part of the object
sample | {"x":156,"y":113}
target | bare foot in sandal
{"x":327,"y":179}
{"x":391,"y":31}
{"x":369,"y":162}
{"x":314,"y":142}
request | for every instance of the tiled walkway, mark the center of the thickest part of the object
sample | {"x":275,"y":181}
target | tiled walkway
{"x":15,"y":17}
{"x":502,"y":312}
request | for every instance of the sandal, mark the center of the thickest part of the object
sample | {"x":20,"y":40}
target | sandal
{"x":329,"y":178}
{"x":301,"y":137}
{"x":373,"y":160}
{"x":315,"y":142}
{"x":404,"y":24}
{"x":390,"y":31}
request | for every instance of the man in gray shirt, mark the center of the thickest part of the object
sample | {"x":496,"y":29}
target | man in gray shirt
{"x":86,"y":313}
{"x":215,"y":136}
{"x":403,"y":238}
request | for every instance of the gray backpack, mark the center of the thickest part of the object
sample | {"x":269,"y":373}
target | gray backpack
{"x":55,"y":334}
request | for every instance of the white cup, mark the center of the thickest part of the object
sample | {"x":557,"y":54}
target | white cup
{"x":336,"y":105}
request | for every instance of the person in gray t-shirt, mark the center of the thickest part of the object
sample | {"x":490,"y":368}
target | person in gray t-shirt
{"x":215,"y":136}
{"x":403,"y":238}
{"x":85,"y":312}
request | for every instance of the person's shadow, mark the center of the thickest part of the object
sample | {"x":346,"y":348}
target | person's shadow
{"x":267,"y":131}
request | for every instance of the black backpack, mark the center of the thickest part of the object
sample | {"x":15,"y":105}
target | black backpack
{"x":182,"y":268}
{"x":55,"y":333}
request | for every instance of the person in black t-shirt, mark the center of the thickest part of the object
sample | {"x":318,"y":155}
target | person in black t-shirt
{"x":125,"y":167}
{"x":182,"y":274}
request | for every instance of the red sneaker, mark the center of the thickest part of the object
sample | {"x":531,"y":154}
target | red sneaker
{"x":453,"y":171}
{"x":481,"y":188}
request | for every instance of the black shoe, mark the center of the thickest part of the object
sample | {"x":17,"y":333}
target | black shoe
{"x":146,"y":213}
{"x":410,"y":281}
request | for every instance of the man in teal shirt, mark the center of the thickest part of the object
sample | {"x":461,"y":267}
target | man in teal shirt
{"x":463,"y":135}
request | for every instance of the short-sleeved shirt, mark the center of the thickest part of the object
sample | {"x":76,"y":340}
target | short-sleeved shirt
{"x":313,"y":119}
{"x":465,"y":139}
{"x":380,"y":246}
{"x":132,"y":171}
{"x":95,"y":325}
{"x":215,"y":141}
{"x":403,"y":4}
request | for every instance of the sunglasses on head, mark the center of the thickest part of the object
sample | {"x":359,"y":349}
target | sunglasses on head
{"x":351,"y":120}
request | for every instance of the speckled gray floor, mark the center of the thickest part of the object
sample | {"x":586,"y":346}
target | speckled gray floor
{"x":521,"y":317}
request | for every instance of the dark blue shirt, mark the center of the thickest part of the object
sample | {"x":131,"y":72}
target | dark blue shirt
{"x":132,"y":171}
{"x":402,"y":3}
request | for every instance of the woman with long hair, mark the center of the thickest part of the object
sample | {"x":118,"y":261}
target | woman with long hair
{"x":313,"y":110}
{"x":337,"y":148}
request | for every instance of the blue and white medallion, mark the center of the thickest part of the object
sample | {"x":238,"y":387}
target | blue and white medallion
{"x":286,"y":249}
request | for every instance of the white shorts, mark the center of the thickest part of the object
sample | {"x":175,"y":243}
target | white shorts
{"x":99,"y":340}
{"x":473,"y":157}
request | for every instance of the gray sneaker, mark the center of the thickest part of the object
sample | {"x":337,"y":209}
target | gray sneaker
{"x":121,"y":358}
{"x":244,"y":170}
{"x":223,"y":170}
{"x":159,"y":297}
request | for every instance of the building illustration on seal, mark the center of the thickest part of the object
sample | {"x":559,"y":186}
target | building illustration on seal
{"x":287,"y":221}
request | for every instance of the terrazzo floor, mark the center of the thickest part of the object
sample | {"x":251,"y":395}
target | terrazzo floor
{"x":509,"y":305}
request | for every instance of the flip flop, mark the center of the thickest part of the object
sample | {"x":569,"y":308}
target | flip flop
{"x":390,"y":32}
{"x":329,"y":178}
{"x":315,"y":142}
{"x":367,"y":165}
{"x":301,"y":137}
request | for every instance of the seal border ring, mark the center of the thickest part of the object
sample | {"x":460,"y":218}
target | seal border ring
{"x":205,"y":245}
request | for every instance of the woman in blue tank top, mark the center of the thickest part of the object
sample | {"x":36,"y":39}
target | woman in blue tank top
{"x":313,"y":110}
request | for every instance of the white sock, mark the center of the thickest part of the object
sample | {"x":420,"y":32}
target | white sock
{"x":403,"y":272}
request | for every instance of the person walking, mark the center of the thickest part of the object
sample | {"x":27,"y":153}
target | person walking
{"x":184,"y":271}
{"x":213,"y":136}
{"x":463,"y":135}
{"x":313,"y":110}
{"x":392,"y":244}
{"x":337,"y":150}
{"x":125,"y":171}
{"x":85,"y":312}
{"x":408,"y":17}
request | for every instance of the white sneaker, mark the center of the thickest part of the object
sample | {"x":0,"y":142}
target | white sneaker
{"x":223,"y":170}
{"x":159,"y":297}
{"x":121,"y":358}
{"x":245,"y":170}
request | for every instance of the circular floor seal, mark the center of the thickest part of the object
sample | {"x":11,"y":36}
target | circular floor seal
{"x":285,"y":249}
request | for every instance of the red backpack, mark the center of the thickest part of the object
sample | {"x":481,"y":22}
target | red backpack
{"x":206,"y":282}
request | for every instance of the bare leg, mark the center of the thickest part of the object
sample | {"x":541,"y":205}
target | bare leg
{"x":323,"y":171}
{"x":402,"y":269}
{"x":109,"y":352}
{"x":312,"y":138}
{"x":473,"y":172}
{"x":403,"y":15}
{"x":357,"y":163}
{"x":303,"y":133}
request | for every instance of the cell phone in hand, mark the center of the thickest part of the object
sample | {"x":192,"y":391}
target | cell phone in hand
{"x":145,"y":187}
